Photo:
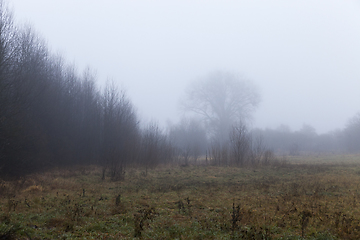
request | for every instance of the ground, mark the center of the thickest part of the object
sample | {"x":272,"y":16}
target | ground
{"x":313,"y":197}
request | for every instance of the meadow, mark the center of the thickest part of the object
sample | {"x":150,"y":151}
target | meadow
{"x":314,"y":197}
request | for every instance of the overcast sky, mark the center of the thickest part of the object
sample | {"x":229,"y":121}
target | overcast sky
{"x":303,"y":55}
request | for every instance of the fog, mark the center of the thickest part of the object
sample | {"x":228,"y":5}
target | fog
{"x":303,"y":55}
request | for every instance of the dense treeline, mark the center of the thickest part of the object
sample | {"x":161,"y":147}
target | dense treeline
{"x":51,"y":116}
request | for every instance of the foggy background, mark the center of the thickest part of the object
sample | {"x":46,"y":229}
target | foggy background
{"x":303,"y":55}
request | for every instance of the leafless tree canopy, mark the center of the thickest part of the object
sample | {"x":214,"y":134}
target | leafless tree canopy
{"x":189,"y":139}
{"x":50,"y":116}
{"x":221,"y":99}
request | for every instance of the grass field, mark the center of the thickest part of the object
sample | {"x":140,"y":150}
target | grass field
{"x":307,"y":198}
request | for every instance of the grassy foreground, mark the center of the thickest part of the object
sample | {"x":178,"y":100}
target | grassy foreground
{"x":314,"y":198}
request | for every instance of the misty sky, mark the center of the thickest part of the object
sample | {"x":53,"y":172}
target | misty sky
{"x":303,"y":55}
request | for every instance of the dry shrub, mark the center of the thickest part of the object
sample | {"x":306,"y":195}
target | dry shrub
{"x":119,"y":209}
{"x":5,"y":188}
{"x":61,"y":183}
{"x":34,"y":189}
{"x":64,"y":223}
{"x":56,"y":222}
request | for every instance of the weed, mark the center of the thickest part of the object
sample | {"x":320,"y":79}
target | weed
{"x":12,"y":204}
{"x":304,"y":221}
{"x":140,"y":220}
{"x":75,"y":212}
{"x":119,"y":207}
{"x":180,"y":205}
{"x":117,"y":200}
{"x":34,"y":189}
{"x":236,"y":217}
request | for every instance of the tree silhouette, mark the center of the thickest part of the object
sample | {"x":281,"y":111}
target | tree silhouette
{"x":221,"y":99}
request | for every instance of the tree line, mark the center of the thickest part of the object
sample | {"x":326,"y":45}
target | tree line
{"x":284,"y":141}
{"x":51,"y":116}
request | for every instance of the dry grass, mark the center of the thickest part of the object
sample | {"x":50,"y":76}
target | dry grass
{"x":303,"y":199}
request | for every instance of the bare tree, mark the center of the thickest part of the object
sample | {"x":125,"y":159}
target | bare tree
{"x":189,"y":139}
{"x":119,"y":129}
{"x":352,"y":134}
{"x":9,"y":47}
{"x":258,"y":150}
{"x":240,"y":144}
{"x":19,"y":141}
{"x":221,"y":99}
{"x":7,"y":38}
{"x":155,"y":147}
{"x":219,"y":153}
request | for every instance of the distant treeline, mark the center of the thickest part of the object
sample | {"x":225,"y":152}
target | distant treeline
{"x":51,"y":116}
{"x":306,"y":141}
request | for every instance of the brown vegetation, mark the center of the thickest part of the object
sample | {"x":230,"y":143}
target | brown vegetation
{"x":290,"y":201}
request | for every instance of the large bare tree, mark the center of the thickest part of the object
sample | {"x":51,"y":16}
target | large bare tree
{"x":221,"y":99}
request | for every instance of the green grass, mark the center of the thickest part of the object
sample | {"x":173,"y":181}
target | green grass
{"x":309,"y":198}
